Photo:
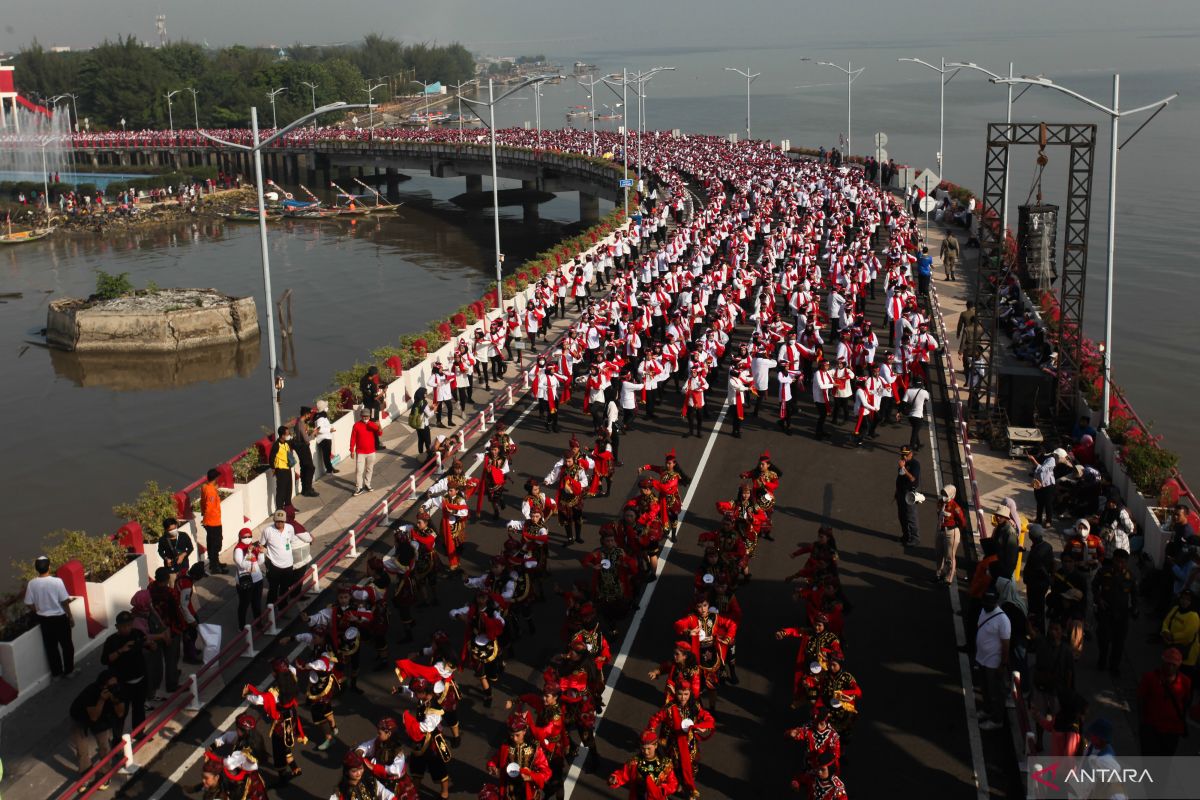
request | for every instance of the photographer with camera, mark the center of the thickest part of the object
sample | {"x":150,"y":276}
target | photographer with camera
{"x":97,"y":715}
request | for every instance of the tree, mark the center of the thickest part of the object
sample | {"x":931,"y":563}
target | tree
{"x":124,"y":80}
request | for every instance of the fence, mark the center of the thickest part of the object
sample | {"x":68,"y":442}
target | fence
{"x":122,"y":758}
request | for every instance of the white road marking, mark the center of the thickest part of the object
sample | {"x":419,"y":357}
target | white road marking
{"x":960,"y":637}
{"x":618,"y":664}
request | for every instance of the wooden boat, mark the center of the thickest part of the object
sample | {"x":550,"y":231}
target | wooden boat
{"x":21,"y":237}
{"x":249,"y":215}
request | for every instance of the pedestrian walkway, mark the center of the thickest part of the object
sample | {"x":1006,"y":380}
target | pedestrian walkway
{"x":38,"y":759}
{"x":1000,"y":477}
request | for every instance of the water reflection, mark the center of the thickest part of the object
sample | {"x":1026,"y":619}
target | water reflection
{"x":135,"y":372}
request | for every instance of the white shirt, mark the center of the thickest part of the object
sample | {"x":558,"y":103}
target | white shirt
{"x":278,"y":543}
{"x":324,"y":430}
{"x":47,"y":595}
{"x":918,"y":397}
{"x":992,"y":628}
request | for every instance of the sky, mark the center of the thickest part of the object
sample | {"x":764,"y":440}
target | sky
{"x":566,"y":26}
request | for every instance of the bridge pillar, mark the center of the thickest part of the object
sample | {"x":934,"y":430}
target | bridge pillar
{"x":393,"y":185}
{"x":529,"y":205}
{"x":343,"y":175}
{"x":474,"y":184}
{"x":295,"y":162}
{"x":589,"y":208}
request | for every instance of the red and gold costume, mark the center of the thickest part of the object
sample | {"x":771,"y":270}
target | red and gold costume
{"x":680,"y":727}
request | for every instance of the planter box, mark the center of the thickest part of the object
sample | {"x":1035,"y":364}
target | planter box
{"x":1105,"y":451}
{"x":1156,"y":536}
{"x":340,"y":430}
{"x":111,"y":596}
{"x":256,"y":500}
{"x":233,"y":511}
{"x":23,"y":660}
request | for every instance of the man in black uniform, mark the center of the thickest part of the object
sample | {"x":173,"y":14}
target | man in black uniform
{"x":908,"y":479}
{"x":1116,"y":601}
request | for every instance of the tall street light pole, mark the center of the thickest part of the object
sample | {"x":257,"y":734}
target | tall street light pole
{"x":271,"y":95}
{"x":609,"y":81}
{"x":591,"y":87}
{"x":1007,"y":121}
{"x":851,"y":75}
{"x":195,"y":106}
{"x":490,"y":105}
{"x":371,"y":104}
{"x":458,"y":87}
{"x":256,"y":149}
{"x":942,"y":81}
{"x":1114,"y":114}
{"x":750,"y":77}
{"x":171,"y":114}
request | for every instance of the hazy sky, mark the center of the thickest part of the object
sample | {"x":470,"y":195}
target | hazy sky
{"x":565,"y":26}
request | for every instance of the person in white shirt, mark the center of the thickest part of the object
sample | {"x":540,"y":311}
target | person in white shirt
{"x":248,"y":560}
{"x":324,"y":437}
{"x":51,"y":604}
{"x":916,"y":399}
{"x":278,"y":540}
{"x":993,"y":631}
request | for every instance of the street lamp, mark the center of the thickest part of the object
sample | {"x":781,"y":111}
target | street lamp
{"x":46,"y":173}
{"x":122,"y":125}
{"x":609,"y":80}
{"x":271,"y":95}
{"x":641,"y":79}
{"x":458,"y":87}
{"x":74,"y":108}
{"x":490,"y":105}
{"x":425,"y":86}
{"x":195,"y":107}
{"x":750,"y":77}
{"x":170,"y":113}
{"x":313,"y":88}
{"x":591,"y":87}
{"x":851,"y":75}
{"x":1114,"y":114}
{"x":942,"y":81}
{"x":371,"y":104}
{"x":256,"y":149}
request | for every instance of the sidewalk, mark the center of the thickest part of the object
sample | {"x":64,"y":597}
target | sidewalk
{"x":1000,"y":476}
{"x":38,"y":759}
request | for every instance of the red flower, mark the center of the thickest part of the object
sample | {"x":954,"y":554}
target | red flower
{"x":444,"y":329}
{"x":420,"y":347}
{"x":459,"y":320}
{"x":523,"y":276}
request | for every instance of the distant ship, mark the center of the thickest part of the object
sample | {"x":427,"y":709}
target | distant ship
{"x":584,"y":69}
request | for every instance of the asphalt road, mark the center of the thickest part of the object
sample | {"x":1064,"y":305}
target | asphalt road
{"x":900,"y":645}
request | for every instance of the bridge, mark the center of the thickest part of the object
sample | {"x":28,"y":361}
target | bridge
{"x":383,"y":161}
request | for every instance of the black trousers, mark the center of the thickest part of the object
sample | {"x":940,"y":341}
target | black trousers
{"x":914,"y":439}
{"x":212,"y":543}
{"x":1111,"y":632}
{"x":822,"y":413}
{"x":279,"y":580}
{"x":1045,"y":504}
{"x":249,"y":599}
{"x":134,"y":695}
{"x":283,"y":487}
{"x":424,"y":440}
{"x":307,"y":470}
{"x":325,"y":449}
{"x":56,"y":639}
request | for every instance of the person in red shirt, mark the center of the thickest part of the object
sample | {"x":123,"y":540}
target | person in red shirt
{"x":363,"y":437}
{"x":1164,"y":695}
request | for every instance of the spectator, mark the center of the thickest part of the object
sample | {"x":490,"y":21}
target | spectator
{"x":1083,"y":428}
{"x":282,"y":460}
{"x":278,"y":541}
{"x":1039,"y":567}
{"x":419,"y":418}
{"x":1043,"y":485}
{"x":164,"y":599}
{"x":1115,"y":593}
{"x":1067,"y":604}
{"x":1163,"y":696}
{"x":248,"y":575}
{"x":924,"y":271}
{"x":368,"y":387}
{"x":1066,"y":732}
{"x":97,"y":714}
{"x":124,"y":654}
{"x":950,"y":252}
{"x":175,"y":548}
{"x":993,"y":631}
{"x":1181,"y":629}
{"x":1085,"y":452}
{"x":324,"y":437}
{"x":147,"y":621}
{"x":951,"y":521}
{"x":47,"y":595}
{"x":210,"y":518}
{"x":363,"y":438}
{"x":1053,"y":678}
{"x":186,"y":584}
{"x":303,"y":447}
{"x":1005,"y":537}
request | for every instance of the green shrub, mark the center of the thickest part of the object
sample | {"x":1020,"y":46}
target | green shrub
{"x":15,"y":617}
{"x":1147,"y":464}
{"x":110,"y":287}
{"x":246,"y":467}
{"x":100,"y":555}
{"x":152,"y":506}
